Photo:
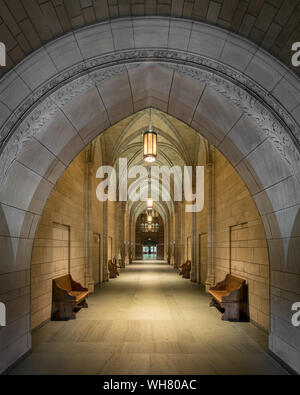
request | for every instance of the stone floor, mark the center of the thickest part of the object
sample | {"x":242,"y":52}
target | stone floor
{"x":149,"y":321}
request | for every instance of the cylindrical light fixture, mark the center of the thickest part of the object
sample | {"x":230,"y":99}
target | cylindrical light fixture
{"x":149,"y":206}
{"x":149,"y":219}
{"x":150,"y":143}
{"x":149,"y":203}
{"x":150,"y":146}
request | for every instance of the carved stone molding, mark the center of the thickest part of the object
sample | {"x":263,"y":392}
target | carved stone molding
{"x":39,"y":108}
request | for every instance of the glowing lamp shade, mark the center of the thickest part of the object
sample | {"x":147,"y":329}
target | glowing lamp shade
{"x":150,"y":146}
{"x":149,"y":219}
{"x":149,"y":203}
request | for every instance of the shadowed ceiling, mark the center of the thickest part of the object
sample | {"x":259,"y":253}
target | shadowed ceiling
{"x":25,"y":25}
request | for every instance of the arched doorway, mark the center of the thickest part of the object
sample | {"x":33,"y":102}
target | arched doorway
{"x":47,"y":126}
{"x":149,"y":238}
{"x":149,"y":250}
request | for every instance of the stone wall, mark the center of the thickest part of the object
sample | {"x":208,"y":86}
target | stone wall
{"x":188,"y":236}
{"x":59,"y":242}
{"x":201,"y":235}
{"x":69,"y":239}
{"x":239,"y":243}
{"x":96,"y":218}
{"x":111,"y":222}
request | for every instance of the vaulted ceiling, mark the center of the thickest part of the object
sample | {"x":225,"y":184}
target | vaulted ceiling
{"x":178,"y":145}
{"x":25,"y":25}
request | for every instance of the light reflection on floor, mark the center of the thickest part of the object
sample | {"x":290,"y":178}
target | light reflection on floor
{"x":149,"y":257}
{"x":149,"y":320}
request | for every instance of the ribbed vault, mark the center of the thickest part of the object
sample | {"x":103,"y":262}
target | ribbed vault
{"x":178,"y":145}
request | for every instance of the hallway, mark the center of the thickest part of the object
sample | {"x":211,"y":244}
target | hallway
{"x":149,"y":321}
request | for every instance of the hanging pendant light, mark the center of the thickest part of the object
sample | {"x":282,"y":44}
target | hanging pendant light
{"x":149,"y":219}
{"x":150,"y":143}
{"x":149,"y":204}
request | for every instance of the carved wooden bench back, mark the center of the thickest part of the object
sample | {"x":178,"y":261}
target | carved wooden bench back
{"x":233,"y":282}
{"x":64,"y":282}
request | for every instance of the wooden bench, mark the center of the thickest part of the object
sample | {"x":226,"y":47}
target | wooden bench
{"x":113,"y":269}
{"x":179,"y":268}
{"x":185,"y":269}
{"x":229,"y":294}
{"x":117,"y":266}
{"x":68,"y":297}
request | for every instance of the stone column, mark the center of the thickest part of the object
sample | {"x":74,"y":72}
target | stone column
{"x":175,"y":248}
{"x":179,"y":234}
{"x":194,"y":240}
{"x":172,"y":240}
{"x":88,"y":272}
{"x":210,"y":280}
{"x":166,"y":241}
{"x":105,"y":244}
{"x":122,"y":235}
{"x":130,"y":252}
{"x":133,"y":241}
{"x":127,"y":237}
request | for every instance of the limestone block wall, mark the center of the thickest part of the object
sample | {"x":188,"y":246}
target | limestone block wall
{"x":62,"y":243}
{"x":59,"y":242}
{"x":166,"y":240}
{"x":180,"y":234}
{"x":126,"y":237}
{"x":132,"y":240}
{"x":119,"y":228}
{"x":111,"y":223}
{"x":172,"y":238}
{"x":96,"y":257}
{"x":240,"y":246}
{"x":96,"y":210}
{"x":201,"y":235}
{"x":188,"y":236}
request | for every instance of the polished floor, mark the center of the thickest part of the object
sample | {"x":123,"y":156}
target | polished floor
{"x":149,"y":321}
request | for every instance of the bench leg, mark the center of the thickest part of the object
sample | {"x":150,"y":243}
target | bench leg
{"x":213,"y":303}
{"x":65,"y":311}
{"x":186,"y":275}
{"x":232,"y":312}
{"x":84,"y":304}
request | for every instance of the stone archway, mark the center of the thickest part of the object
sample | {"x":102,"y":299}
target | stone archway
{"x":248,"y":111}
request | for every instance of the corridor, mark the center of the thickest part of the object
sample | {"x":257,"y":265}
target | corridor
{"x":149,"y":321}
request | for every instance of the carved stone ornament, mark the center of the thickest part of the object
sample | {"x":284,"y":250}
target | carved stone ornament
{"x":38,"y":109}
